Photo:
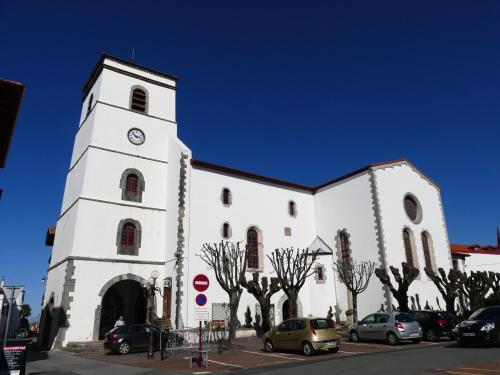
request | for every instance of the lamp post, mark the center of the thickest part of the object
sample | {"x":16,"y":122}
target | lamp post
{"x":151,"y":289}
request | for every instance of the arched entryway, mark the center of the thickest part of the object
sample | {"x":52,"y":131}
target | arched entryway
{"x":46,"y":324}
{"x":125,"y":296}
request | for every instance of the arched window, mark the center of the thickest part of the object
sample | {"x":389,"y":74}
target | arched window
{"x":226,"y":197}
{"x":408,"y":247}
{"x":427,"y":250}
{"x":345,"y":251}
{"x":292,"y":209}
{"x":226,"y":230}
{"x":139,"y":100}
{"x":128,"y":239}
{"x":89,"y":105}
{"x":253,"y":248}
{"x":128,"y":235}
{"x":132,"y":185}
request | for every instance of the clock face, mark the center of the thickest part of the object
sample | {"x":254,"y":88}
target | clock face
{"x":136,"y":136}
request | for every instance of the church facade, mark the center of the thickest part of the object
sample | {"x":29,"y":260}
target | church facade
{"x":136,"y":203}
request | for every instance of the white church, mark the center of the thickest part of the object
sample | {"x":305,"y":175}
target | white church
{"x":136,"y":202}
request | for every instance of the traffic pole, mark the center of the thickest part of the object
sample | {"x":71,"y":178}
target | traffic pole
{"x":200,"y":360}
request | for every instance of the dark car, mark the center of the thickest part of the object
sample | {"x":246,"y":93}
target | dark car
{"x":482,"y":327}
{"x":135,"y":337}
{"x":435,"y":324}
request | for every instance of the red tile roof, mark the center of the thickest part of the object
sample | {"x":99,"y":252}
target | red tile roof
{"x":474,"y":249}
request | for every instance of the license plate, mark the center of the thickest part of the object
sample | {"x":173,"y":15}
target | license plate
{"x":469,"y":334}
{"x":333,"y":343}
{"x":414,"y":334}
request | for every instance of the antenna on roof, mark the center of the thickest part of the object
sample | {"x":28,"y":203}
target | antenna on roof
{"x":133,"y":55}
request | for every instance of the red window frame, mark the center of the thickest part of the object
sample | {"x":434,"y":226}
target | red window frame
{"x":253,"y":248}
{"x":128,"y":235}
{"x":132,"y":185}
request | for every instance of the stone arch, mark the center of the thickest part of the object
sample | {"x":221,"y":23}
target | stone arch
{"x":105,"y":288}
{"x":281,"y":302}
{"x":129,"y":250}
{"x":413,"y":246}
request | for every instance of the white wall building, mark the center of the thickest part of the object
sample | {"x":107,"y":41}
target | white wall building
{"x":135,"y":201}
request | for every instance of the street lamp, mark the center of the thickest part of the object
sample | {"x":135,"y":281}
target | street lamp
{"x":151,"y":289}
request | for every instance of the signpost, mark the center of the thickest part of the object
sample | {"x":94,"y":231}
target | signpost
{"x":200,"y":284}
{"x":13,"y":357}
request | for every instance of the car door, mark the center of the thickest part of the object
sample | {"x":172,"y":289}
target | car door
{"x":380,"y":326}
{"x":297,"y":334}
{"x":139,"y":336}
{"x":281,"y":338}
{"x":365,"y":327}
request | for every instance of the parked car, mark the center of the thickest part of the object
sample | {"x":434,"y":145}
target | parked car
{"x":22,"y":333}
{"x":482,"y":327}
{"x":135,"y":337}
{"x":387,"y":326}
{"x":306,"y":334}
{"x":435,"y":324}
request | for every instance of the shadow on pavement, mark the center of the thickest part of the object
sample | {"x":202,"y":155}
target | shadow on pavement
{"x":35,"y":354}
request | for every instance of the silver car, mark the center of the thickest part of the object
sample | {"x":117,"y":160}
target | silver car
{"x":387,"y":326}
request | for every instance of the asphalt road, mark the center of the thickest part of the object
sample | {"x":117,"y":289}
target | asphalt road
{"x":425,"y":360}
{"x":408,"y":362}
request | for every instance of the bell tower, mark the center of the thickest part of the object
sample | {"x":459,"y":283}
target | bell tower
{"x":119,"y":219}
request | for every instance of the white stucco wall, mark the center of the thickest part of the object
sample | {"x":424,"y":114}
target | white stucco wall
{"x":482,"y":262}
{"x":393,"y":183}
{"x":347,"y":205}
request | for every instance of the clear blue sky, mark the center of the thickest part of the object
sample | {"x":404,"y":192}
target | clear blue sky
{"x":302,"y":91}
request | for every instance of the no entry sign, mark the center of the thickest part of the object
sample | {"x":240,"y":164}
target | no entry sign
{"x":201,"y":282}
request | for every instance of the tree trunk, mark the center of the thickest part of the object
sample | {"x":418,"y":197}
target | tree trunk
{"x":403,"y":302}
{"x":265,"y":309}
{"x":450,"y":305}
{"x":354,"y":307}
{"x":234,"y":301}
{"x":292,"y":299}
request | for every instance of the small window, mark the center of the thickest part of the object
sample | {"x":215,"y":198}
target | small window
{"x":288,"y":231}
{"x":138,"y":101}
{"x":427,"y":250}
{"x":132,"y":185}
{"x":412,"y":209}
{"x":253,"y":249}
{"x":345,"y":251}
{"x":226,"y":230}
{"x":128,"y":238}
{"x":292,"y":209}
{"x":455,"y":265}
{"x":226,"y":197}
{"x":408,"y":247}
{"x":128,"y":235}
{"x":319,"y":273}
{"x":89,"y":105}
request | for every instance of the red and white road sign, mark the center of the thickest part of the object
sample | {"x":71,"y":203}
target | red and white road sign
{"x":201,"y":282}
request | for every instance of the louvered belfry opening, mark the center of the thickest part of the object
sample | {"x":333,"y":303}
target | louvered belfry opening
{"x":139,"y":99}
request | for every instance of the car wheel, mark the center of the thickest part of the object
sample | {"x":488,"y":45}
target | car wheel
{"x":334,"y":350}
{"x":353,"y":336}
{"x":430,"y":335}
{"x":307,"y":349}
{"x":269,"y":346}
{"x":124,"y":347}
{"x":392,"y":339}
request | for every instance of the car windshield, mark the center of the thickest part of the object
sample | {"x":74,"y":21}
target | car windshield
{"x":485,"y":314}
{"x":322,"y":323}
{"x":404,"y":318}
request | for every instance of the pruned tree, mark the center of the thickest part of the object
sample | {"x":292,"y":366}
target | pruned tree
{"x":447,"y":284}
{"x":228,"y":260}
{"x":475,"y":287}
{"x":292,"y":268}
{"x":494,"y":278}
{"x":262,"y":292}
{"x":356,"y":276}
{"x":410,"y":273}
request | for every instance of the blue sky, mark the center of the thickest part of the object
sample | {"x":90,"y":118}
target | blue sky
{"x":269,"y":87}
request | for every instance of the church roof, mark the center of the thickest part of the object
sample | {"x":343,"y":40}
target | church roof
{"x":474,"y":249}
{"x":312,"y":189}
